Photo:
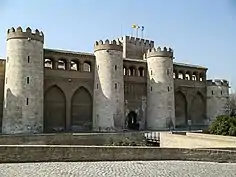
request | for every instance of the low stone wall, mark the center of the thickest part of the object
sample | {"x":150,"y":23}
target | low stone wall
{"x":52,"y":153}
{"x":195,"y":140}
{"x":231,"y":139}
{"x":98,"y":139}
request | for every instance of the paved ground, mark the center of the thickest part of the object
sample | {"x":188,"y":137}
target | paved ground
{"x":119,"y":169}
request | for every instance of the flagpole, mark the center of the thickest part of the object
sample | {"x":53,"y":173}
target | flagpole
{"x":142,"y":29}
{"x":137,"y":32}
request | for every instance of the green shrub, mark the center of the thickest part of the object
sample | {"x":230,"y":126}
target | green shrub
{"x":223,"y":125}
{"x":122,"y":142}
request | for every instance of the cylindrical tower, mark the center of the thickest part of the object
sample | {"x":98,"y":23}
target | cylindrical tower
{"x":160,"y":89}
{"x":217,"y":98}
{"x":24,"y":77}
{"x":108,"y":102}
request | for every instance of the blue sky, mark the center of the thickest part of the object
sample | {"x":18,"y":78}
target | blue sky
{"x":200,"y":31}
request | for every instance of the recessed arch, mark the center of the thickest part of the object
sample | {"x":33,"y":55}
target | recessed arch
{"x":48,"y":63}
{"x":54,"y":110}
{"x":180,"y":75}
{"x":61,"y":64}
{"x":125,"y":71}
{"x":74,"y":65}
{"x":141,"y":71}
{"x":194,"y":76}
{"x":197,"y":110}
{"x":188,"y":76}
{"x":132,"y":71}
{"x":87,"y":66}
{"x":201,"y":77}
{"x":175,"y":74}
{"x":81,"y":110}
{"x":180,"y":109}
{"x":132,"y":122}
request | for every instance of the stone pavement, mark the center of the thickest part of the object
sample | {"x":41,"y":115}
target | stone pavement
{"x":119,"y":169}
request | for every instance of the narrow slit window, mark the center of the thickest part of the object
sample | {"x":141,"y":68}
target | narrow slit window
{"x":221,"y":92}
{"x":28,"y":59}
{"x":168,"y":88}
{"x":212,"y":92}
{"x":151,"y":88}
{"x":27,"y":80}
{"x":115,"y":85}
{"x":115,"y":67}
{"x":6,"y":80}
{"x":97,"y":86}
{"x":27,"y":101}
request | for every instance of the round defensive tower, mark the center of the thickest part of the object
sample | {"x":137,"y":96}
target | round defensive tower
{"x":108,"y":109}
{"x":217,"y":98}
{"x":24,"y":77}
{"x":160,"y":89}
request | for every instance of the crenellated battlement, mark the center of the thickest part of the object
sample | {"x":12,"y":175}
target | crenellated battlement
{"x":18,"y":33}
{"x":218,"y":82}
{"x":139,"y":41}
{"x":108,"y":45}
{"x":160,"y":52}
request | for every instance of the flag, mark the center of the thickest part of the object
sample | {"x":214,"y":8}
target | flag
{"x":134,"y":26}
{"x":142,"y":28}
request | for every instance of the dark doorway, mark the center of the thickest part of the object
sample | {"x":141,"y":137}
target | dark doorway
{"x":132,"y":121}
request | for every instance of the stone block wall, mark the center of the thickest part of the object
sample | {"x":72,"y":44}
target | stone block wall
{"x":50,"y":153}
{"x":98,"y":139}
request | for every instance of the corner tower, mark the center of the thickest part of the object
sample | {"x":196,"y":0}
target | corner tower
{"x":217,"y":98}
{"x":160,"y":89}
{"x":108,"y":110}
{"x":23,"y":92}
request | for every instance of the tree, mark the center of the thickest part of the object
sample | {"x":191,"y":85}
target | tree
{"x":223,"y":125}
{"x":232,"y":104}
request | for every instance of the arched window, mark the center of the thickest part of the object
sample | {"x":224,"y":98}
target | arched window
{"x":87,"y":66}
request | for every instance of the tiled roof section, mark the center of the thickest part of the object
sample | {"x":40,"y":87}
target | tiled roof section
{"x":190,"y":65}
{"x":69,"y":52}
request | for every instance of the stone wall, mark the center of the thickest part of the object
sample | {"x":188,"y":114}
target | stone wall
{"x":48,"y":153}
{"x":160,"y":89}
{"x":195,"y":140}
{"x":135,"y":47}
{"x":24,"y":79}
{"x":98,"y":139}
{"x":217,"y":98}
{"x":108,"y":97}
